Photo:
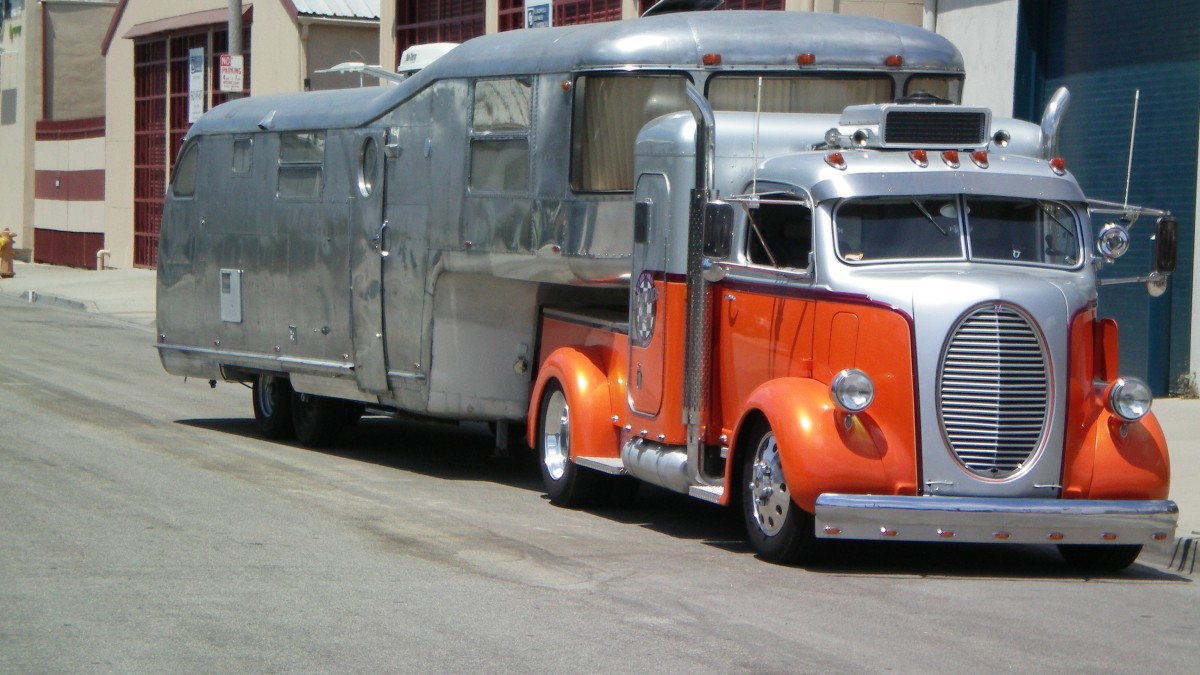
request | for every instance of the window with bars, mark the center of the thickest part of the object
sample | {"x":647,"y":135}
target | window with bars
{"x":421,"y":22}
{"x":566,"y":12}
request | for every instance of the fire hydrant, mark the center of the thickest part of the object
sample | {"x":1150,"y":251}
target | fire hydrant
{"x":6,"y":253}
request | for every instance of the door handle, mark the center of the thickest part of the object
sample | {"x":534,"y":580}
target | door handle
{"x":380,"y":243}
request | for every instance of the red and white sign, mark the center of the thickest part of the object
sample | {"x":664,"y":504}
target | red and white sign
{"x":232,"y":72}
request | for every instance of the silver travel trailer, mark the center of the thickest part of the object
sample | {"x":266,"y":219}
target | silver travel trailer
{"x":763,"y":259}
{"x":394,"y":246}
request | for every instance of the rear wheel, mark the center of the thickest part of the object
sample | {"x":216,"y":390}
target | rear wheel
{"x":778,"y":530}
{"x":273,"y":407}
{"x":1097,"y":558}
{"x":566,"y":483}
{"x":317,"y":420}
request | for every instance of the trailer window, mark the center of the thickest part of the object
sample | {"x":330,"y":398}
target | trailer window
{"x":989,"y":229}
{"x":301,"y":156}
{"x":500,"y":125}
{"x":941,"y":86}
{"x":779,"y":235}
{"x":243,"y":152}
{"x":797,"y":94}
{"x":610,"y":110}
{"x":183,"y":183}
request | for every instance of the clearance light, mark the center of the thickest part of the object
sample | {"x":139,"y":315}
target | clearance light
{"x":1001,"y":535}
{"x":1160,"y":536}
{"x":919,"y":157}
{"x":887,"y":533}
{"x":950,"y":157}
{"x":1129,"y":399}
{"x":894,"y":61}
{"x":1057,"y":536}
{"x":1058,"y":165}
{"x":566,"y":85}
{"x":711,"y":59}
{"x":1109,"y":536}
{"x":836,"y":160}
{"x":852,"y":390}
{"x":806,"y":59}
{"x":980,"y":157}
{"x":945,"y":534}
{"x":833,"y":530}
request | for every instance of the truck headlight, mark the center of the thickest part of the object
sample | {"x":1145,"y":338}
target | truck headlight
{"x":852,"y":390}
{"x":1129,"y":399}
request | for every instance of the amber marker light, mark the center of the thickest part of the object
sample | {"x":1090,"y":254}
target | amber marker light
{"x":980,"y":158}
{"x":950,"y":157}
{"x":1108,"y":536}
{"x":887,"y":533}
{"x":1001,"y":535}
{"x":837,"y":160}
{"x":1058,"y":165}
{"x":893,"y":61}
{"x":566,"y":85}
{"x":945,"y":534}
{"x":1160,"y":536}
{"x":919,"y":157}
{"x":806,"y":59}
{"x":833,"y":530}
{"x":1057,"y":536}
{"x":711,"y":59}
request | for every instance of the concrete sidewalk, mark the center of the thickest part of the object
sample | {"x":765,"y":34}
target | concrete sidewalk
{"x":128,"y":295}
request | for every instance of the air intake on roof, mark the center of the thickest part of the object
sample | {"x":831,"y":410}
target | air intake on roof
{"x":935,"y":128}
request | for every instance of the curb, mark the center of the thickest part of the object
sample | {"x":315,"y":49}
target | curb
{"x":59,"y":301}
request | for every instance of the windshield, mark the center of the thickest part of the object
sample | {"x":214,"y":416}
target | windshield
{"x":957,"y":227}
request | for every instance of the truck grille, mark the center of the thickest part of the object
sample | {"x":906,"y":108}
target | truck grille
{"x":993,"y":393}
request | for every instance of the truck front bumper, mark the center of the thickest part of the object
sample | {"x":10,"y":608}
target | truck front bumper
{"x":981,"y":520}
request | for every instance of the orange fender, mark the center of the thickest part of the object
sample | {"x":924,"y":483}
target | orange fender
{"x":1129,"y":465}
{"x":825,"y":450}
{"x":581,"y":372}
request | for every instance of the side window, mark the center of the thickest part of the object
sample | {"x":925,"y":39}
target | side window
{"x":301,"y":156}
{"x":828,"y":94}
{"x":609,"y":112}
{"x":500,"y":135}
{"x":183,"y":183}
{"x":779,"y":235}
{"x":243,"y":155}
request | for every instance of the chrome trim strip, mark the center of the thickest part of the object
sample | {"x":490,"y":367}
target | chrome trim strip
{"x":985,"y":520}
{"x":405,"y":375}
{"x":258,"y":360}
{"x":592,"y":320}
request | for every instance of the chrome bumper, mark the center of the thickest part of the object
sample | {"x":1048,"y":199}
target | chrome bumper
{"x":980,"y":520}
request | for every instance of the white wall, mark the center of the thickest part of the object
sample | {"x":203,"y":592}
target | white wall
{"x":985,"y":31}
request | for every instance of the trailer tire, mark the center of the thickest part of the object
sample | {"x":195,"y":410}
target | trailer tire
{"x":778,"y":529}
{"x":567,"y":484}
{"x":273,"y":407}
{"x":317,"y":420}
{"x":1099,"y":558}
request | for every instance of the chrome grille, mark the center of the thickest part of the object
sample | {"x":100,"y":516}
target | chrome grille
{"x":994,"y":391}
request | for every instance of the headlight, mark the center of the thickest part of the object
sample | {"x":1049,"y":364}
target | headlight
{"x":1129,"y":399}
{"x":852,"y":390}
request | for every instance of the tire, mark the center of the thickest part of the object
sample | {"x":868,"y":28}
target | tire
{"x":1098,"y":558}
{"x":317,"y":420}
{"x":273,"y":407}
{"x":567,"y":484}
{"x":778,"y":530}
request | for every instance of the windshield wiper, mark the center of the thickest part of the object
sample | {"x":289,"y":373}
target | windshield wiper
{"x":929,"y":216}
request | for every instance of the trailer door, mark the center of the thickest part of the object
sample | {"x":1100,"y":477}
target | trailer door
{"x":368,"y":252}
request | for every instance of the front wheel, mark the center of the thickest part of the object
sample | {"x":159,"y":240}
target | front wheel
{"x":778,"y":530}
{"x":273,"y":407}
{"x":566,"y":483}
{"x":1099,"y":558}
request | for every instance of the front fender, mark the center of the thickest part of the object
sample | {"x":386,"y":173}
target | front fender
{"x":581,"y":372}
{"x":826,"y":450}
{"x":1120,"y":464}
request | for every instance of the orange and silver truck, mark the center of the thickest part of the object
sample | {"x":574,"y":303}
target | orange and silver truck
{"x":767,"y":260}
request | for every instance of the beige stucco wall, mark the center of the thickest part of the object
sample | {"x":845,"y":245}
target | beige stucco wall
{"x":20,"y":108}
{"x":74,"y":75}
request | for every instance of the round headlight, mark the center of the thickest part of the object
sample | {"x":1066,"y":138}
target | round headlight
{"x":1113,"y":241}
{"x":852,"y":390}
{"x":1129,"y":399}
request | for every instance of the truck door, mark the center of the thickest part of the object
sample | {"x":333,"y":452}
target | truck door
{"x":368,"y":253}
{"x":647,"y":300}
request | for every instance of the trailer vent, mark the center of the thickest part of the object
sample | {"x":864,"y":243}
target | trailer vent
{"x":994,"y":391}
{"x":935,"y":128}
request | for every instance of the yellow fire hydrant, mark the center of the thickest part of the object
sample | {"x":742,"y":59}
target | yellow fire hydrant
{"x":6,"y":253}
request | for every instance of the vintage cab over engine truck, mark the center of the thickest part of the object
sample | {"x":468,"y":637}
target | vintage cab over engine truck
{"x":763,"y":259}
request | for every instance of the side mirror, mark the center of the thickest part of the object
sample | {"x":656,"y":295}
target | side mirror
{"x":718,"y":229}
{"x":1166,"y":240}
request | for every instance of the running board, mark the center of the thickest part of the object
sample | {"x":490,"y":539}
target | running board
{"x":708,"y":493}
{"x":609,"y":465}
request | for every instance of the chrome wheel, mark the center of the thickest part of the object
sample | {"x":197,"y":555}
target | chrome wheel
{"x":770,"y":499}
{"x":556,"y":435}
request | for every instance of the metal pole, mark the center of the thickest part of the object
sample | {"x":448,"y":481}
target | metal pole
{"x":235,"y":34}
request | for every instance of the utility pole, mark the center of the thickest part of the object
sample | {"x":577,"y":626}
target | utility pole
{"x":235,"y":34}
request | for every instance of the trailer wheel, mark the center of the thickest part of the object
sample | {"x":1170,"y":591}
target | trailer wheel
{"x":317,"y":420}
{"x":273,"y":407}
{"x":1098,"y":558}
{"x":778,"y":530}
{"x":566,"y":483}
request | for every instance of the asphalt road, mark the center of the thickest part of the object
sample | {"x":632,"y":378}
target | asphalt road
{"x":146,"y":528}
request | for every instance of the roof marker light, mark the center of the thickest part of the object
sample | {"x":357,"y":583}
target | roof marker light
{"x":893,"y":61}
{"x":711,"y":59}
{"x":1058,"y":165}
{"x":980,"y":158}
{"x":945,"y":534}
{"x":806,"y":59}
{"x":1057,"y":536}
{"x":832,"y":530}
{"x":887,"y":532}
{"x":836,"y":160}
{"x":919,"y":157}
{"x":950,"y":157}
{"x":1001,"y":535}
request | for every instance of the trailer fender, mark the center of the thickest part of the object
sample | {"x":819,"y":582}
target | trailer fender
{"x":1120,"y":460}
{"x":581,"y":372}
{"x":822,"y":448}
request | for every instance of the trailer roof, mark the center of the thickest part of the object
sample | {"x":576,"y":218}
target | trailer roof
{"x":742,"y":38}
